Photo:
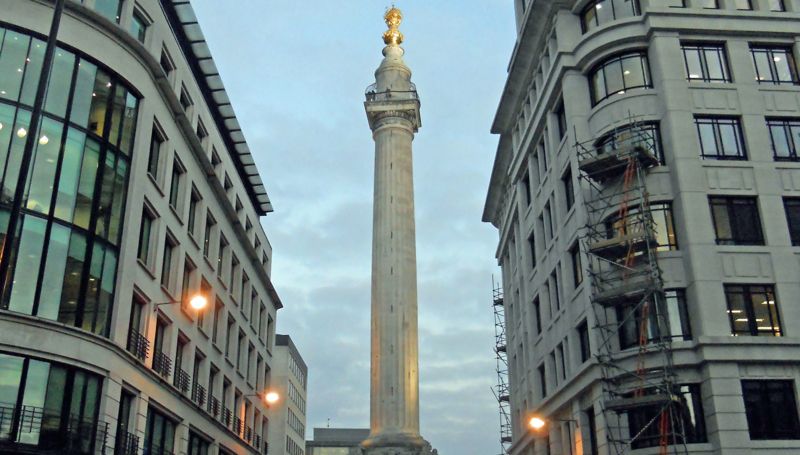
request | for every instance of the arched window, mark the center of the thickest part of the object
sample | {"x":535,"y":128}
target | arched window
{"x":599,"y":12}
{"x":619,"y":74}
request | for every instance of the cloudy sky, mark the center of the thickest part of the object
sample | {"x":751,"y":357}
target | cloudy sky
{"x":296,"y":72}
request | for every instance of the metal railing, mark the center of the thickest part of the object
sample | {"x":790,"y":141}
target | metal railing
{"x":237,"y":425}
{"x":182,"y":380}
{"x":226,"y":417}
{"x":46,"y":429}
{"x":127,"y":443}
{"x":138,"y":345}
{"x":248,"y":433}
{"x":198,"y":394}
{"x":162,"y":364}
{"x":373,"y":94}
{"x":213,"y":405}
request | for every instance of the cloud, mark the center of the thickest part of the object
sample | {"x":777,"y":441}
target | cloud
{"x":296,"y":74}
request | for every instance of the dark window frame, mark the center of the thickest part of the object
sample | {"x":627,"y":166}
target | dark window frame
{"x":733,"y":205}
{"x":793,"y":221}
{"x":770,"y":51}
{"x":771,"y":414}
{"x":591,"y":21}
{"x":702,"y":49}
{"x":790,"y":127}
{"x":716,"y":122}
{"x":617,"y":60}
{"x":747,"y":292}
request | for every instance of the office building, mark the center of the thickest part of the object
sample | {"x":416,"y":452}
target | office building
{"x":142,"y":196}
{"x":645,"y":190}
{"x":337,"y":441}
{"x":287,"y":429}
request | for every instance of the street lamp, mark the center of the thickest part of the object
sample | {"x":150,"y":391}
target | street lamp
{"x":268,"y":397}
{"x":197,"y":302}
{"x":538,"y":424}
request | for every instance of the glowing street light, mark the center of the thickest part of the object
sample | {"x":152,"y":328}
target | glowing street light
{"x":271,"y":397}
{"x":536,"y":423}
{"x":197,"y":302}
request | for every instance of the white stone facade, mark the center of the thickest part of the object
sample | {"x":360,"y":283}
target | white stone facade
{"x":553,"y":63}
{"x":287,"y":429}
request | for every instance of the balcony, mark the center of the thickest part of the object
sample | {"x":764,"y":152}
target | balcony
{"x":237,"y":425}
{"x":226,"y":417}
{"x":248,"y":434}
{"x":127,"y":443}
{"x":198,"y":394}
{"x":162,"y":364}
{"x":182,"y":380}
{"x":372,"y":93}
{"x":213,"y":406}
{"x":31,"y":429}
{"x":138,"y":345}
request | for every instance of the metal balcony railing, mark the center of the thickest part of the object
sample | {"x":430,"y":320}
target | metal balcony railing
{"x":213,"y":406}
{"x":373,"y":95}
{"x":127,"y":443}
{"x":138,"y":345}
{"x":162,"y":364}
{"x":198,"y":394}
{"x":226,"y":417}
{"x":182,"y":380}
{"x":237,"y":425}
{"x":248,"y":433}
{"x":257,"y":442}
{"x":49,"y":430}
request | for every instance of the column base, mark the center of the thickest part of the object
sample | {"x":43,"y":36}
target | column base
{"x":397,"y":444}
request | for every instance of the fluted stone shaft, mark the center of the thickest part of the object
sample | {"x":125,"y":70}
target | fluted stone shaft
{"x":393,"y":112}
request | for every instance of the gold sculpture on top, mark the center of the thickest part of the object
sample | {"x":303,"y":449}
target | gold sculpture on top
{"x":393,"y":17}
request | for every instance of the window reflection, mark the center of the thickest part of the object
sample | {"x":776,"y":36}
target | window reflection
{"x":618,"y":74}
{"x":86,"y":134}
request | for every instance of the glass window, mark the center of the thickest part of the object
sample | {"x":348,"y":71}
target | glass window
{"x":599,"y":12}
{"x":771,"y":409}
{"x":774,"y":64}
{"x":26,"y":270}
{"x":175,"y":185}
{"x":705,"y":62}
{"x":736,"y":220}
{"x":32,"y":71}
{"x":45,"y":159}
{"x":159,"y":435}
{"x":59,"y":85}
{"x":569,"y":189}
{"x":752,"y":310}
{"x":138,"y":26}
{"x":143,"y":253}
{"x":663,"y":225}
{"x":154,"y":157}
{"x":197,"y":445}
{"x":583,"y":338}
{"x":785,"y":138}
{"x":12,"y":63}
{"x":110,"y":9}
{"x":577,"y":269}
{"x":11,"y":174}
{"x":646,"y":422}
{"x":167,"y":263}
{"x":98,"y":107}
{"x":776,"y":5}
{"x":209,"y":229}
{"x":792,"y":208}
{"x":720,"y":138}
{"x":561,"y":116}
{"x":59,"y":405}
{"x":193,"y":214}
{"x":619,"y":74}
{"x":644,"y":321}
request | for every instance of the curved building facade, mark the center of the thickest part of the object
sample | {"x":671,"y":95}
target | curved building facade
{"x":141,"y":194}
{"x":711,"y":89}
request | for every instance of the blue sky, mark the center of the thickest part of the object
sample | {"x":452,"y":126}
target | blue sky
{"x":296,"y":73}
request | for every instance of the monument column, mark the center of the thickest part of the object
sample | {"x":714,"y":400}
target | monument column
{"x":392,"y":108}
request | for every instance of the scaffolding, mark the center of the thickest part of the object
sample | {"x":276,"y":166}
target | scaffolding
{"x":501,"y":390}
{"x":641,"y":404}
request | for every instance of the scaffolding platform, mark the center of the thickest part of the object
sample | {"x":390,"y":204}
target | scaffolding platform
{"x":607,"y":165}
{"x":630,"y":403}
{"x":618,"y":247}
{"x":630,"y":291}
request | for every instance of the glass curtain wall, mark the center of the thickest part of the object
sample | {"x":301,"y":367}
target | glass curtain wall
{"x":76,"y":189}
{"x":48,"y":405}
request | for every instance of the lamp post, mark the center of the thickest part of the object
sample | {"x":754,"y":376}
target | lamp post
{"x":538,"y":424}
{"x":268,"y":397}
{"x":197,"y":302}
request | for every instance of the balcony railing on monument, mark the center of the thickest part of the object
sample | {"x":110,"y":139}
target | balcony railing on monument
{"x":162,"y":364}
{"x":198,"y":394}
{"x":138,"y":345}
{"x":47,"y":430}
{"x":127,"y":443}
{"x":182,"y":380}
{"x":373,"y":94}
{"x":213,"y":406}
